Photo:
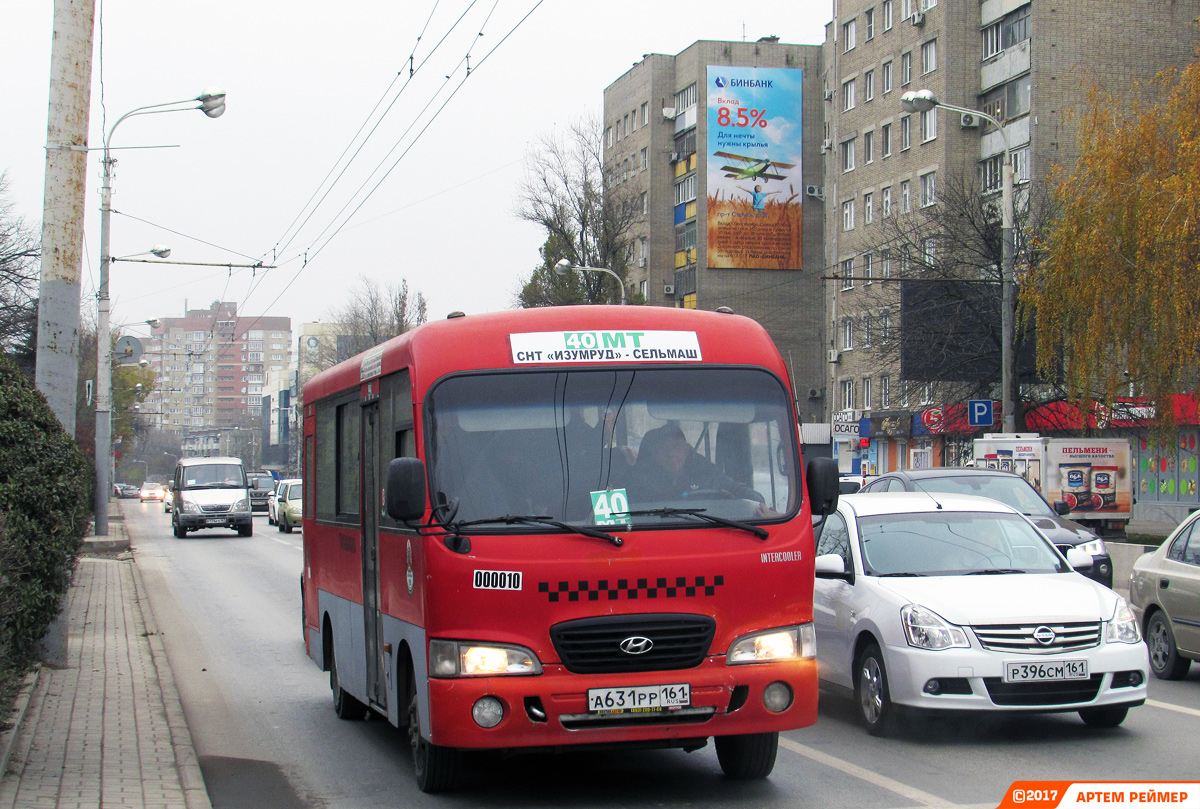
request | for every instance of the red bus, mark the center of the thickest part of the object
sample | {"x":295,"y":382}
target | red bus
{"x":570,"y":526}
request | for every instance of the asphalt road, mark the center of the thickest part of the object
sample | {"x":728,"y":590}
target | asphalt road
{"x":262,"y":719}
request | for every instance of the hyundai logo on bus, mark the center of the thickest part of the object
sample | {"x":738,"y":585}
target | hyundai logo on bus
{"x":636,"y":645}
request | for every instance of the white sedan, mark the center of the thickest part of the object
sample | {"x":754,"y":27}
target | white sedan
{"x":958,"y":602}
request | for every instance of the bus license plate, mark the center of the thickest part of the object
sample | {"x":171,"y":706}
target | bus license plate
{"x":639,"y":698}
{"x":1040,"y":672}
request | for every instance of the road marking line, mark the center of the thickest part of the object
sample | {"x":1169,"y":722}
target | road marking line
{"x":1166,"y":706}
{"x":285,"y":542}
{"x":912,"y":793}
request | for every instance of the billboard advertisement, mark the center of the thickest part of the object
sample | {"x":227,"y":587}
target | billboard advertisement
{"x":755,"y":184}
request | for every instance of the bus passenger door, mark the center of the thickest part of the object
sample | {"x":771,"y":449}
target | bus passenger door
{"x":376,"y":667}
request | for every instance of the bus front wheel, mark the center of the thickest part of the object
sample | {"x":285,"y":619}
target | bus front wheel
{"x":435,"y":768}
{"x":748,"y":756}
{"x":344,"y":704}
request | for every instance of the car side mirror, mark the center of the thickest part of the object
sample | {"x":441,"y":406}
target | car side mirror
{"x":1079,"y":559}
{"x":404,"y":492}
{"x":1061,"y":508}
{"x":254,"y":483}
{"x":833,"y":566}
{"x":821,"y":477}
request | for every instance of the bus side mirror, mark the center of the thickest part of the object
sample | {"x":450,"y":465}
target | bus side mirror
{"x":405,"y":489}
{"x":254,"y":483}
{"x":821,"y":476}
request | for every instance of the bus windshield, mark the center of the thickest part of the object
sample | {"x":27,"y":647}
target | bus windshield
{"x":592,"y":447}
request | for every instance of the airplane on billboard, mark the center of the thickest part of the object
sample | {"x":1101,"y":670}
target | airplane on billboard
{"x":752,"y":167}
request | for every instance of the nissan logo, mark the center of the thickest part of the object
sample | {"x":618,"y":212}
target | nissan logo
{"x":636,"y":645}
{"x":1044,"y":635}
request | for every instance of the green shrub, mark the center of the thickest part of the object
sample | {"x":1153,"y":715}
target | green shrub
{"x":46,"y":487}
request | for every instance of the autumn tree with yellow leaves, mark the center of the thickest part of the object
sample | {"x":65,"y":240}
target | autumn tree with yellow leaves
{"x":1117,"y":299}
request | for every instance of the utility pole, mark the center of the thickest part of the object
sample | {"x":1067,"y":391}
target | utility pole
{"x":63,"y":204}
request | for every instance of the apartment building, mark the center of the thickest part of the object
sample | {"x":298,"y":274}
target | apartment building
{"x":210,"y":367}
{"x":1028,"y":64}
{"x":720,"y":145}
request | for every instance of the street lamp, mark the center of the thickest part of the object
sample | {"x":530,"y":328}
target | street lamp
{"x":212,"y":104}
{"x":923,"y":101}
{"x":565,"y":267}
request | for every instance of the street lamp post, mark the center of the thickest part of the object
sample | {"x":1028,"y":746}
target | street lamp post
{"x":564,"y":267}
{"x":923,"y":101}
{"x":212,"y":104}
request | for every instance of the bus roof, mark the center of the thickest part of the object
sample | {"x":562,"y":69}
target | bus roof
{"x":615,"y":335}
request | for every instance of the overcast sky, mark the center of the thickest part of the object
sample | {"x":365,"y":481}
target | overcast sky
{"x":302,"y":77}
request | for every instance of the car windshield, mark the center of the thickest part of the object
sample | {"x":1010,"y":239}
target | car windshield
{"x":1011,"y":491}
{"x":587,"y":447}
{"x":953,"y":543}
{"x":213,"y":476}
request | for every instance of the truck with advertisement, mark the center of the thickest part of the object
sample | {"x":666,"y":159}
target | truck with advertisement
{"x":1091,"y":476}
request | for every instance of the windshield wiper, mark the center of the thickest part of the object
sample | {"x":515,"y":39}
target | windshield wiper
{"x":702,"y":514}
{"x":993,"y":571}
{"x":894,"y":575}
{"x":538,"y":519}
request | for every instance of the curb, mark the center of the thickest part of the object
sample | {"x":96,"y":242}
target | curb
{"x":8,"y":738}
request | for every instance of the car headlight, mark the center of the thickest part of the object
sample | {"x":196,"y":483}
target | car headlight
{"x":785,"y":643}
{"x":189,"y":507}
{"x":460,"y":658}
{"x":1122,"y":627}
{"x":1095,"y":547}
{"x":241,"y":505}
{"x":925,"y":629}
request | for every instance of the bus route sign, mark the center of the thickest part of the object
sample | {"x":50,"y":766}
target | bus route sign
{"x":604,"y":346}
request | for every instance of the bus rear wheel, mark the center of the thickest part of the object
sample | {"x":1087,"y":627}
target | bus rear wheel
{"x":435,"y":768}
{"x":749,"y":756}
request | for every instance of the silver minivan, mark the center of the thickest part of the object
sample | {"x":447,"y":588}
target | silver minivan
{"x":211,"y":493}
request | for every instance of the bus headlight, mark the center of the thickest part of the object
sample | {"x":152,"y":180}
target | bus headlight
{"x":453,"y":658}
{"x":785,"y":643}
{"x":188,"y":507}
{"x":241,"y":505}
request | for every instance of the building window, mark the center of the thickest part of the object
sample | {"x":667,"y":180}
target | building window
{"x":929,"y":56}
{"x":928,"y":189}
{"x":885,"y":264}
{"x":887,"y":14}
{"x":905,"y":132}
{"x":1021,"y":165}
{"x":848,"y":274}
{"x":905,"y":69}
{"x":905,"y":197}
{"x":848,"y":155}
{"x":645,"y":113}
{"x":886,"y":202}
{"x":991,"y":173}
{"x":868,"y":85}
{"x":685,"y":98}
{"x":929,"y":252}
{"x":685,"y":189}
{"x":868,"y":147}
{"x":991,"y":40}
{"x":645,"y":200}
{"x":849,"y":31}
{"x":868,"y":213}
{"x":887,"y":77}
{"x":885,"y":392}
{"x":866,"y":393}
{"x":868,"y":268}
{"x":847,"y":95}
{"x":928,"y":125}
{"x":1015,"y":27}
{"x":847,"y":333}
{"x":848,"y":215}
{"x":885,"y":139}
{"x":645,"y":158}
{"x":847,"y":394}
{"x":928,"y":4}
{"x":906,"y":9}
{"x":869,"y":15}
{"x":885,"y":326}
{"x":643,"y":252}
{"x":1009,"y":100}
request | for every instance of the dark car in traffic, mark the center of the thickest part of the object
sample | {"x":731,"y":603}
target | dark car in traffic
{"x":260,"y":496}
{"x":1012,"y":490}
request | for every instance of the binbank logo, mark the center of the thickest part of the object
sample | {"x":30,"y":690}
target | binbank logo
{"x":720,"y":81}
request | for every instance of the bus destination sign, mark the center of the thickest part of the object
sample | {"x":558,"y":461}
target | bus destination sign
{"x":604,"y":346}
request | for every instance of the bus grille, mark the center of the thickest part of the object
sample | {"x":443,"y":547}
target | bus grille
{"x":215,"y":509}
{"x":1068,"y":637}
{"x":593,"y":645}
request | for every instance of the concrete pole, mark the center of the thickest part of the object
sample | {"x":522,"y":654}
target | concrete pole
{"x":57,"y":374}
{"x":104,"y":453}
{"x":1008,"y":314}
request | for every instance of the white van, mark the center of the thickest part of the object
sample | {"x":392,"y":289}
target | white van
{"x":211,"y":493}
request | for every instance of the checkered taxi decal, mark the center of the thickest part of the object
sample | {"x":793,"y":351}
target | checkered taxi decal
{"x":632,"y":589}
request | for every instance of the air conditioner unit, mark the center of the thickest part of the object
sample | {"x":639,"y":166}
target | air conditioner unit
{"x":834,"y":355}
{"x":674,"y":157}
{"x":829,"y":95}
{"x":826,"y":145}
{"x":668,"y":289}
{"x":968,"y":120}
{"x":817,"y":191}
{"x":918,"y":18}
{"x":669,"y":113}
{"x":814,"y":393}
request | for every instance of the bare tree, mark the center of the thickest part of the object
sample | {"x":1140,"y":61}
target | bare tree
{"x":937,"y":316}
{"x":20,"y":259}
{"x":374,"y":314}
{"x":586,"y":212}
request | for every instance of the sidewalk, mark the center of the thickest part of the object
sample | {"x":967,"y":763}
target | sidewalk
{"x":108,"y":730}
